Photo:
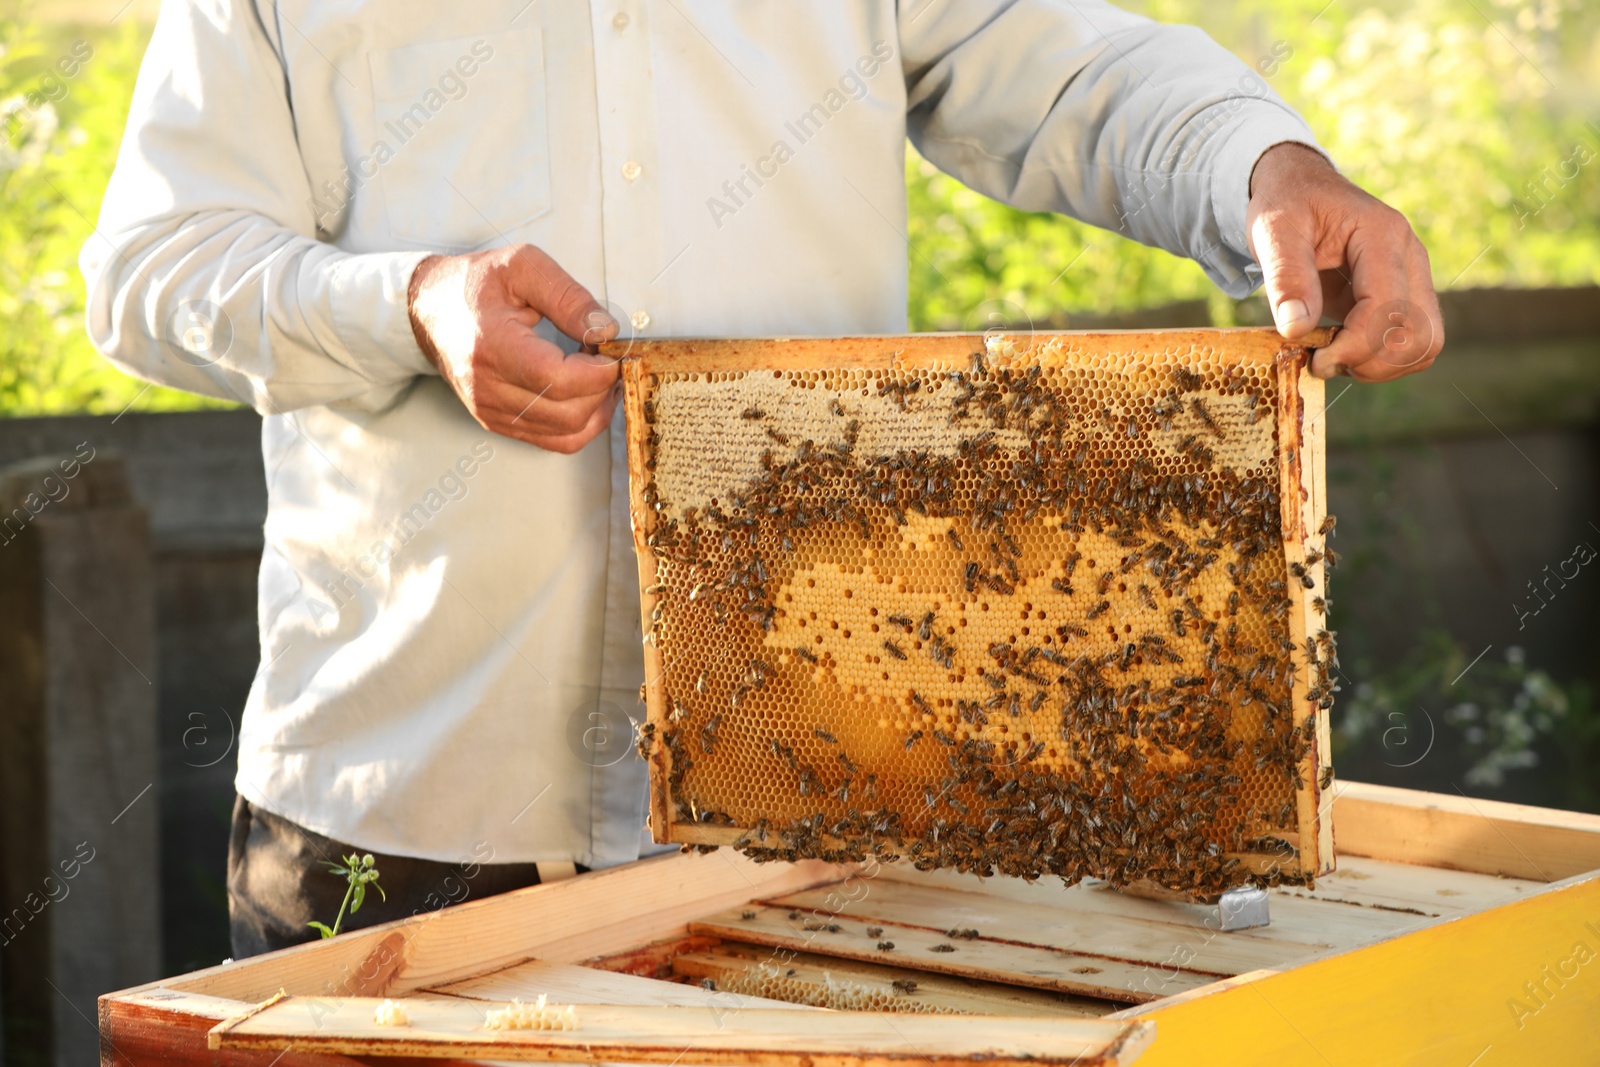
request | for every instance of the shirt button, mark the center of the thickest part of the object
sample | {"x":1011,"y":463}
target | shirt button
{"x":631,"y":170}
{"x":640,"y":319}
{"x":619,"y":21}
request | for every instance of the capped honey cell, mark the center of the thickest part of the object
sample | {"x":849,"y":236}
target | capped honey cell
{"x":1024,"y":605}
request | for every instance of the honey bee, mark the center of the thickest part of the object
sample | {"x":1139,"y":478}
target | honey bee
{"x":905,"y":985}
{"x":752,"y":413}
{"x":1098,"y":610}
{"x":943,"y":946}
{"x":826,"y":736}
{"x":894,"y":650}
{"x":913,"y":738}
{"x":888,"y":946}
{"x":708,"y":733}
{"x":1327,"y":526}
{"x":1203,"y":413}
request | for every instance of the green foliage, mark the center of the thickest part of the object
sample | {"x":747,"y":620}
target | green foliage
{"x":63,"y":101}
{"x":359,"y":872}
{"x":975,"y":263}
{"x":1488,"y":716}
{"x":1485,"y":133}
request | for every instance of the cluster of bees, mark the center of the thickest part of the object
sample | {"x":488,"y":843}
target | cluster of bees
{"x":1144,"y":730}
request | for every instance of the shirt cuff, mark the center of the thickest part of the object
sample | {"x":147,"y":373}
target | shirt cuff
{"x":1255,"y":130}
{"x":367,"y":298}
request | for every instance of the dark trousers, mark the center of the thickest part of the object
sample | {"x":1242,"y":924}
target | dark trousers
{"x":278,"y":882}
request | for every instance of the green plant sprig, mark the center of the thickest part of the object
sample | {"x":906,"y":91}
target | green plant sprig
{"x":360,"y":872}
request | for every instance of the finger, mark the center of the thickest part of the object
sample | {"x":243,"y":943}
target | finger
{"x":539,"y":415}
{"x":542,"y":285}
{"x":1289,"y":266}
{"x":1382,"y":330}
{"x":1337,"y":299}
{"x":567,"y":444}
{"x":520,"y":357}
{"x":1409,"y":333}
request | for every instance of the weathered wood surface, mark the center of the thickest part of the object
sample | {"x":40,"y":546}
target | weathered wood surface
{"x":564,"y":922}
{"x":571,"y":983}
{"x":452,"y":1027}
{"x":78,"y":749}
{"x":1367,"y":904}
{"x":1488,"y":836}
{"x":1243,"y":344}
{"x":831,"y":982}
{"x":1026,"y":965}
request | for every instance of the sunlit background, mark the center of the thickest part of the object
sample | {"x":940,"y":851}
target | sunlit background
{"x":1457,"y":491}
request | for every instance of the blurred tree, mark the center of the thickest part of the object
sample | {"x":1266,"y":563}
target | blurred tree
{"x":63,"y":101}
{"x":1477,"y":118}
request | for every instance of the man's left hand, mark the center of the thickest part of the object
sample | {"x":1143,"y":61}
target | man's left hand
{"x":1329,"y":248}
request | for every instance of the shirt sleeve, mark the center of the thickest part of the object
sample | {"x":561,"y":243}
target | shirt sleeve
{"x":1078,"y":107}
{"x":204,"y":272}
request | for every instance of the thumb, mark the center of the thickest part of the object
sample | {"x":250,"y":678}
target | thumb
{"x":540,"y":283}
{"x":1289,"y":265}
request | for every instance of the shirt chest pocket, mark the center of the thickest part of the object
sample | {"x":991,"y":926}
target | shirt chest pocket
{"x":464,"y":121}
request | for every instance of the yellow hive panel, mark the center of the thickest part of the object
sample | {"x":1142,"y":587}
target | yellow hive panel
{"x":1018,"y":604}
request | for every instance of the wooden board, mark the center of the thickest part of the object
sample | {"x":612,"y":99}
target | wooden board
{"x":1444,"y":830}
{"x":1029,"y":966}
{"x":1415,"y":964}
{"x":830,"y":982}
{"x":567,"y":921}
{"x":570,"y":983}
{"x":709,"y":809}
{"x":1362,"y":901}
{"x":1096,"y":941}
{"x":454,"y":1028}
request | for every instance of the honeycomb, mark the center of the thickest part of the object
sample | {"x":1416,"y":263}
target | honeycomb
{"x":1008,"y":604}
{"x":773,"y":981}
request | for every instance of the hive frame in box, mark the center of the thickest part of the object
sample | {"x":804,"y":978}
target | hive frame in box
{"x":1431,"y":881}
{"x":1298,"y":407}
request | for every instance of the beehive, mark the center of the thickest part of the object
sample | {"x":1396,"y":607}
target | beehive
{"x":1018,"y":604}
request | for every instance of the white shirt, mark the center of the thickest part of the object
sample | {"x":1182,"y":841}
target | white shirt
{"x":449,"y":619}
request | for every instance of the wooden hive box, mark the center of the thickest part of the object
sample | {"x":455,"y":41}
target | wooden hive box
{"x":1455,"y":931}
{"x":1044,"y":604}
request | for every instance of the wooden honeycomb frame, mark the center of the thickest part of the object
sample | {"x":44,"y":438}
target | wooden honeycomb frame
{"x":1295,"y":849}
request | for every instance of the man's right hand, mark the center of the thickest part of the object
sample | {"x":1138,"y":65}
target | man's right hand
{"x":474,"y":316}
